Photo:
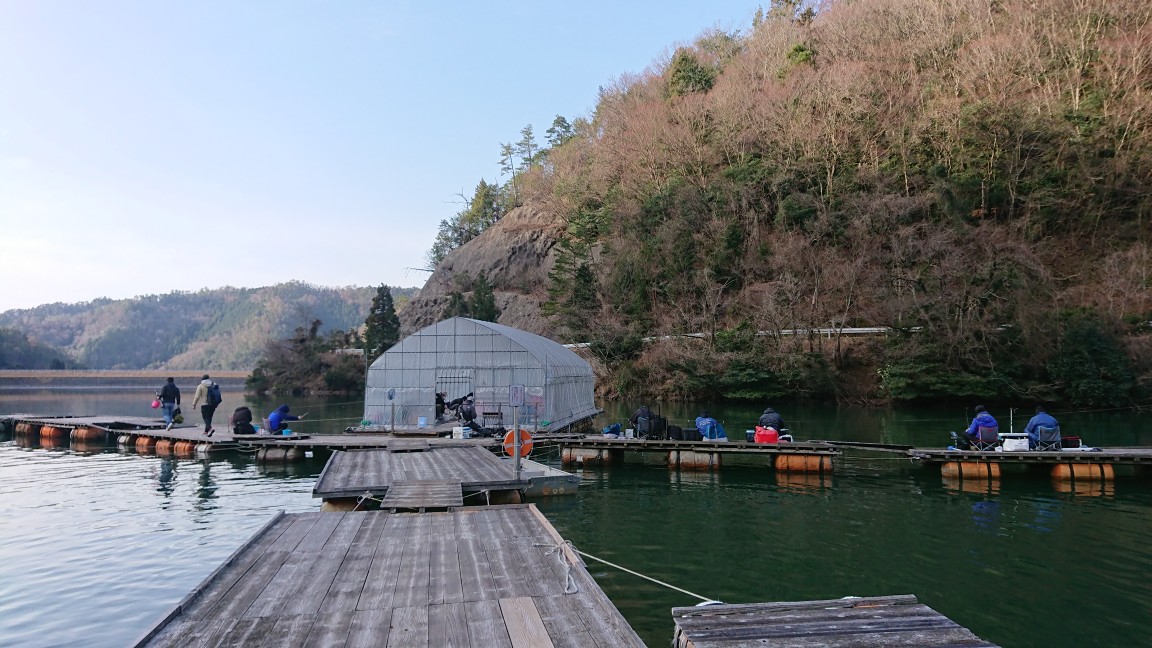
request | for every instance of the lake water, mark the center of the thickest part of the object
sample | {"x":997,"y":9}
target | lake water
{"x":95,"y":547}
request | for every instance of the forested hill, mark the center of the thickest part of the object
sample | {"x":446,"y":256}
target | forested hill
{"x":225,"y":328}
{"x":976,"y":174}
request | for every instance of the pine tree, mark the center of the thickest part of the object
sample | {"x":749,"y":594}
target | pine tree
{"x":484,"y":301}
{"x":382,"y":328}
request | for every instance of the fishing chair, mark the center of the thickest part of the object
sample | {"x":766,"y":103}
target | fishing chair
{"x":987,"y":438}
{"x":643,"y":427}
{"x":1049,"y":438}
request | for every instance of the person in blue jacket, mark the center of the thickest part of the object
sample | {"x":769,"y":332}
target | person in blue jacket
{"x":279,"y":417}
{"x":983,"y":420}
{"x":1042,"y":419}
{"x":709,"y":427}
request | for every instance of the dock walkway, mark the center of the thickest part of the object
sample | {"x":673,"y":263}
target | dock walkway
{"x":844,"y":623}
{"x":488,"y":577}
{"x":372,"y":473}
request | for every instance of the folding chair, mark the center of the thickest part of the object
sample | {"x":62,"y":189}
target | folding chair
{"x":643,"y":427}
{"x":1049,"y":438}
{"x":987,"y":438}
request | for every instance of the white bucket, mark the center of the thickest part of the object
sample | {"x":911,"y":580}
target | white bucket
{"x":629,"y":433}
{"x":459,"y":432}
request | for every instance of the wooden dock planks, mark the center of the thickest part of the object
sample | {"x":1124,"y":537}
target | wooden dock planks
{"x":423,"y":494}
{"x":840,"y":623}
{"x":354,"y":473}
{"x":479,"y":576}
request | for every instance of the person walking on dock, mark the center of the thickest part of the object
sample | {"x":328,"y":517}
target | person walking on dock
{"x":169,"y":400}
{"x":208,"y":397}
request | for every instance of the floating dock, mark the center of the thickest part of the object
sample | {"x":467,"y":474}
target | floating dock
{"x":804,"y":457}
{"x":844,"y":623}
{"x":352,"y":477}
{"x":484,"y":576}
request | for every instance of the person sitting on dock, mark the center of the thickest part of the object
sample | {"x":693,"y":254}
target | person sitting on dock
{"x":641,"y":421}
{"x":1038,"y":425}
{"x":983,"y":431}
{"x":169,"y":400}
{"x":455,"y":403}
{"x":771,"y":419}
{"x":709,"y":427}
{"x":468,"y":414}
{"x":441,"y":405}
{"x":241,"y":421}
{"x":280,"y":416}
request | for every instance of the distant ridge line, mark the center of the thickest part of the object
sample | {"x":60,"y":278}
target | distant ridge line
{"x":25,"y":374}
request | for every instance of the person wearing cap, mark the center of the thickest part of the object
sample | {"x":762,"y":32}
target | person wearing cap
{"x":207,"y":407}
{"x":468,"y":412}
{"x":709,"y":427}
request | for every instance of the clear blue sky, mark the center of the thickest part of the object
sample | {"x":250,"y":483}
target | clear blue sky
{"x":148,"y":146}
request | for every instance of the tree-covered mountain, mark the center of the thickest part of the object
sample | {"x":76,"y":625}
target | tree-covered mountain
{"x":18,"y":352}
{"x":224,"y":328}
{"x":975,"y":174}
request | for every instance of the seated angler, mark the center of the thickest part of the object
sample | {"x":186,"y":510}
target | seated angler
{"x":1043,"y":422}
{"x":983,"y":430}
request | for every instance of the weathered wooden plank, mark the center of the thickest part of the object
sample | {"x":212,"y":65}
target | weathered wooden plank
{"x":475,"y":573}
{"x":225,"y":578}
{"x":444,"y":578}
{"x":844,"y":623}
{"x":329,"y":630}
{"x":289,"y":631}
{"x":409,"y":628}
{"x":412,"y":580}
{"x":566,"y":621}
{"x":448,"y":625}
{"x":423,"y":494}
{"x":380,"y":583}
{"x":297,"y":574}
{"x":525,"y":627}
{"x":248,"y":632}
{"x":370,"y":628}
{"x":348,"y":583}
{"x":486,"y":625}
{"x":408,"y":445}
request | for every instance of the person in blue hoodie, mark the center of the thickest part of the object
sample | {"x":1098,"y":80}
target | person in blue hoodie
{"x":1042,"y":419}
{"x":983,"y":429}
{"x":279,"y":417}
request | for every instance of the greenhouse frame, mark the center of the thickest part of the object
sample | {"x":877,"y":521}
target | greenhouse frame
{"x":459,"y":356}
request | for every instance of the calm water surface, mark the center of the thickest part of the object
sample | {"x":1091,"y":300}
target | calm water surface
{"x":95,"y":547}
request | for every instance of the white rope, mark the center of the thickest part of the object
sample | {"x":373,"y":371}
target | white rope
{"x":635,"y":573}
{"x":570,"y":586}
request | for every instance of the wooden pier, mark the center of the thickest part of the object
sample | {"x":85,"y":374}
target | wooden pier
{"x":353,"y":476}
{"x":487,"y":577}
{"x":844,"y":623}
{"x":811,"y":457}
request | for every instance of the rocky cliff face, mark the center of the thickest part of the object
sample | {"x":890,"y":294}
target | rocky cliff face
{"x":516,"y":255}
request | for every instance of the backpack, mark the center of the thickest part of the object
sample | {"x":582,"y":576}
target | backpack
{"x":214,"y":397}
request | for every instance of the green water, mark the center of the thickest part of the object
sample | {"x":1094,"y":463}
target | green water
{"x":95,"y":547}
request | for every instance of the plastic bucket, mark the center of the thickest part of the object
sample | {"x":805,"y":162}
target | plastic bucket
{"x":750,"y":436}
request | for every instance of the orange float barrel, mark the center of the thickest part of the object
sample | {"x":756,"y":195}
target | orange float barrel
{"x":1083,"y":472}
{"x":971,"y":470}
{"x":145,"y":443}
{"x":165,"y":446}
{"x":803,"y":463}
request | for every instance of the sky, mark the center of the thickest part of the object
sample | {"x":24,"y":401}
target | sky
{"x":148,"y":147}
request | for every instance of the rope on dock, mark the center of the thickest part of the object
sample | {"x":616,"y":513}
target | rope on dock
{"x":635,"y":573}
{"x":570,"y":586}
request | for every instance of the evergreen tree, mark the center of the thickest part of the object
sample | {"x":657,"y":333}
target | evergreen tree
{"x":484,"y":301}
{"x":382,"y":328}
{"x":560,"y":132}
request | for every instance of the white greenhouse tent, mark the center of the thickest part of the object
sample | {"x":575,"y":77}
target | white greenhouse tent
{"x":459,"y":356}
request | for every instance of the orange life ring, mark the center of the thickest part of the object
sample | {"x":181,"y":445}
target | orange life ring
{"x":525,"y":443}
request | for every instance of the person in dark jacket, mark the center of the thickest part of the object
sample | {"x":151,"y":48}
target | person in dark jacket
{"x":642,"y":412}
{"x":169,"y":400}
{"x":241,"y":421}
{"x":771,"y":419}
{"x":468,"y":414}
{"x":440,"y":406}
